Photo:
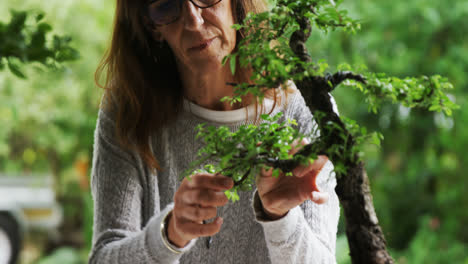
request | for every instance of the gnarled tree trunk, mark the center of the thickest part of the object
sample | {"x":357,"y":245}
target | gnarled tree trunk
{"x":365,"y":237}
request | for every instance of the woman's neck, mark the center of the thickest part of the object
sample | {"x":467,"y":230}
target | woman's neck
{"x":208,"y":89}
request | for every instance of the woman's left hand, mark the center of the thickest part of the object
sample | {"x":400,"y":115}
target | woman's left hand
{"x":279,"y":195}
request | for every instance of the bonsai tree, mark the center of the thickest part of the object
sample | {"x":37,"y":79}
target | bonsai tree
{"x":275,"y":47}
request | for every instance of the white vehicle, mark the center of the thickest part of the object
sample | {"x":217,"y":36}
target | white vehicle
{"x":26,"y":203}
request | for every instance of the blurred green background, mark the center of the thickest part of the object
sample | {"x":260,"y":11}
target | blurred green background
{"x":417,"y":176}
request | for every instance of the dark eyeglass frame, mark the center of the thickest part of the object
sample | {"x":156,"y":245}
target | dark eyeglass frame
{"x":176,"y":2}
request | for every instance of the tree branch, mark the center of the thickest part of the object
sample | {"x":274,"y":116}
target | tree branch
{"x":365,"y":237}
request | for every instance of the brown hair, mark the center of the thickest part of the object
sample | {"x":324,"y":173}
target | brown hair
{"x":141,"y":81}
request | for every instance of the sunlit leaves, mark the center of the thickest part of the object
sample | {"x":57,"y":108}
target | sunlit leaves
{"x":266,"y":44}
{"x":266,"y":49}
{"x":235,"y":153}
{"x":425,"y":92}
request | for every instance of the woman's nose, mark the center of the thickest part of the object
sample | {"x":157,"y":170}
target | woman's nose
{"x":192,"y":16}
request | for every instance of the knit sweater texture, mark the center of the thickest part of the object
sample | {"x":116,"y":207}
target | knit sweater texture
{"x":130,"y":200}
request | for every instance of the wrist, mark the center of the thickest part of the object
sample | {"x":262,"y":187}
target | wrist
{"x":172,"y":235}
{"x":273,"y":215}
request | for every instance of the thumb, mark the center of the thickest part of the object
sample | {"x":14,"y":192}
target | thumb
{"x":319,"y":197}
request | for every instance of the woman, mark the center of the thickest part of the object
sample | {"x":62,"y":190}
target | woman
{"x":164,"y":77}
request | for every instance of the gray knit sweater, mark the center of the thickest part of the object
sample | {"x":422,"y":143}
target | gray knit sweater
{"x":130,"y":201}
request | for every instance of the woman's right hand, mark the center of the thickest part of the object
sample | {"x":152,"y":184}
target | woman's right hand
{"x":196,"y":200}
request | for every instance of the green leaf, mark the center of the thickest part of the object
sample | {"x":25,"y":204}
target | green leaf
{"x":232,"y":62}
{"x":39,"y":17}
{"x":44,"y":27}
{"x":236,"y":26}
{"x":15,"y":69}
{"x":223,"y":62}
{"x":67,"y":54}
{"x":276,"y":172}
{"x":232,"y":195}
{"x":375,"y":139}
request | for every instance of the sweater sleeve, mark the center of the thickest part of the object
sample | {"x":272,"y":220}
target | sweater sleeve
{"x":118,"y":232}
{"x":307,"y":234}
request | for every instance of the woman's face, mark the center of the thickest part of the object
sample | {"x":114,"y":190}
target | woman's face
{"x":201,"y":38}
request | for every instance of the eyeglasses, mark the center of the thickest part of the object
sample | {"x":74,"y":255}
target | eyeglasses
{"x":163,"y":12}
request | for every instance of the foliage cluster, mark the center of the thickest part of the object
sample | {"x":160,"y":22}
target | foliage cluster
{"x":24,"y":40}
{"x":242,"y":153}
{"x":269,"y":49}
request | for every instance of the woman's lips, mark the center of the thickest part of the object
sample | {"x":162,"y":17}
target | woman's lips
{"x":205,"y":44}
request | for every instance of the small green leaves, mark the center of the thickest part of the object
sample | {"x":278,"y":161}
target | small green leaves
{"x":424,"y":92}
{"x":376,"y":137}
{"x":232,"y":195}
{"x":266,"y":49}
{"x":269,"y":49}
{"x":237,"y":26}
{"x":234,"y":154}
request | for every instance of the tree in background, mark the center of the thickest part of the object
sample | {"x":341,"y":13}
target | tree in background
{"x":23,"y":41}
{"x":26,"y":39}
{"x":48,"y":118}
{"x":417,"y":176}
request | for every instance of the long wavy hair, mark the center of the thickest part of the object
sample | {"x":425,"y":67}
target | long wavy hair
{"x":141,"y":79}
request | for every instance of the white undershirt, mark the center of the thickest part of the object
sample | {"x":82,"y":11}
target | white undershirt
{"x":231,"y":116}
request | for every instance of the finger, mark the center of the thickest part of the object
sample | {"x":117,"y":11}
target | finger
{"x":201,"y":230}
{"x":319,"y":197}
{"x":204,"y":197}
{"x":297,"y":145}
{"x":302,"y":170}
{"x":197,"y":213}
{"x":317,"y":166}
{"x":216,"y":182}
